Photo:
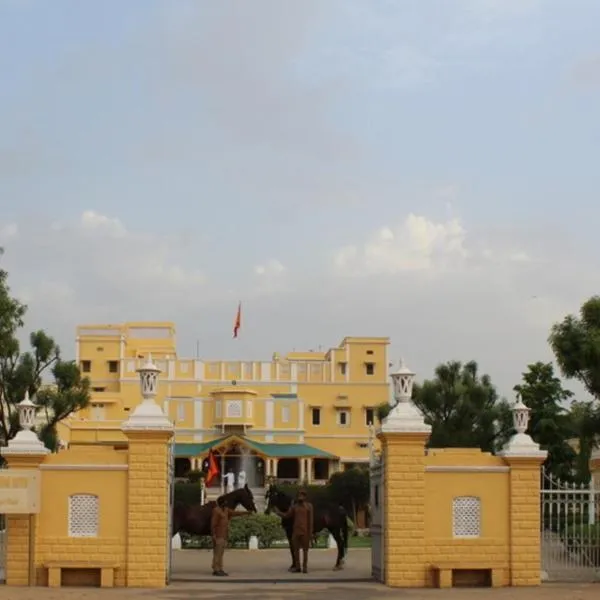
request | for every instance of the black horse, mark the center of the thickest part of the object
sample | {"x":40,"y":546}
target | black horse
{"x":195,"y":519}
{"x":328,"y":516}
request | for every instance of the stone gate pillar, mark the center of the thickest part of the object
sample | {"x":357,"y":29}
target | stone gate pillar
{"x":24,"y":452}
{"x":149,"y":433}
{"x":525,"y":459}
{"x":403,"y":435}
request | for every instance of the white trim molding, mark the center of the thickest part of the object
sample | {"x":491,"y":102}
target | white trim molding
{"x":465,"y":469}
{"x":83,"y":467}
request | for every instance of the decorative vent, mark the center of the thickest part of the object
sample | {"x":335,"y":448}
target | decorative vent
{"x":83,"y":516}
{"x":466,"y":517}
{"x":234,"y":409}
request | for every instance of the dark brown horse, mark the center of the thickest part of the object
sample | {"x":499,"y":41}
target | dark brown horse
{"x":195,"y":519}
{"x":328,"y":516}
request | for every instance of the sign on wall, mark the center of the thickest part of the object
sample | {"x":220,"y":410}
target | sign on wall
{"x":19,"y":492}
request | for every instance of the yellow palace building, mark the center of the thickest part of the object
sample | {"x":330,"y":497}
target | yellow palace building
{"x":298,"y":417}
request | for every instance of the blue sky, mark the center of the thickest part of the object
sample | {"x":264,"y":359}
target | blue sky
{"x":163,"y":159}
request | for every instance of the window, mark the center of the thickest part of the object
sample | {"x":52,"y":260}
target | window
{"x":370,"y":352}
{"x":83,"y":516}
{"x":181,"y":411}
{"x":113,"y":366}
{"x":183,"y":367}
{"x":98,"y":389}
{"x":234,"y":409}
{"x":466,"y":517}
{"x":316,"y":416}
{"x":285,"y":414}
{"x":343,"y":367}
{"x":369,"y":416}
{"x":370,"y":368}
{"x":343,"y":418}
{"x":86,"y":366}
{"x":98,"y":412}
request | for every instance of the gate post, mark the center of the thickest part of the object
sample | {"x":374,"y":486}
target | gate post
{"x":525,"y":459}
{"x":403,"y":434}
{"x":148,"y":533}
{"x":25,"y":451}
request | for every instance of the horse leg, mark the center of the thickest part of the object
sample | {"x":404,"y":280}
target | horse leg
{"x":339,"y":542}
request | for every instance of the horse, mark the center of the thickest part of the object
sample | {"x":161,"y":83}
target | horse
{"x":328,"y":516}
{"x":195,"y":519}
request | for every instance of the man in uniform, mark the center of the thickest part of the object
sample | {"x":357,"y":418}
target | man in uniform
{"x":219,"y":528}
{"x":301,"y":512}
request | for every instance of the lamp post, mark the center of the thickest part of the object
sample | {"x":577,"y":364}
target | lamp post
{"x":521,"y":444}
{"x":404,"y":415}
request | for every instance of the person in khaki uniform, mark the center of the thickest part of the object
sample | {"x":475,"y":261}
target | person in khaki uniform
{"x":303,"y":528}
{"x":219,"y":528}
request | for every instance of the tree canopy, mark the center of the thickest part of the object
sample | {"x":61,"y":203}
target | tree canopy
{"x":22,"y":372}
{"x":462,"y":407}
{"x":550,"y":423}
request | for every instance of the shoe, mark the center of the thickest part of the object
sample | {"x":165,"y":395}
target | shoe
{"x":295,"y":570}
{"x":305,"y":570}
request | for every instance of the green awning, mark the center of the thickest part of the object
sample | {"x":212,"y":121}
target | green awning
{"x":268,"y":449}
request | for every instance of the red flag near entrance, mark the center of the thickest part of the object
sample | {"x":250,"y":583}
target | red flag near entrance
{"x":238,"y":321}
{"x":213,"y":468}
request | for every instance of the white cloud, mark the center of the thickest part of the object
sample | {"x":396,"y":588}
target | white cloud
{"x":8,"y":231}
{"x":418,"y":244}
{"x":271,"y":268}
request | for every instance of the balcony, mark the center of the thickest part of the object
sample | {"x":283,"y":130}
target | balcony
{"x":234,"y":408}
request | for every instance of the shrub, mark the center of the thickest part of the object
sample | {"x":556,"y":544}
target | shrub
{"x":187,"y":493}
{"x":584,"y":540}
{"x":267,"y":528}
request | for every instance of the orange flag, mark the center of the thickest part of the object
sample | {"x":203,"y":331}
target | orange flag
{"x":238,"y":321}
{"x":213,"y":468}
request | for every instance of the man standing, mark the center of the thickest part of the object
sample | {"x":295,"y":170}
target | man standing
{"x":219,"y":528}
{"x":229,"y":478}
{"x":301,"y":512}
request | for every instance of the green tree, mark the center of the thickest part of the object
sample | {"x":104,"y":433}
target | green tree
{"x":351,"y":489}
{"x":584,"y":421}
{"x":575,"y":342}
{"x":550,"y":424}
{"x":22,"y":372}
{"x":462,"y":407}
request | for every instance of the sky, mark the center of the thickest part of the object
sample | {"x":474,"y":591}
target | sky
{"x":419,"y":169}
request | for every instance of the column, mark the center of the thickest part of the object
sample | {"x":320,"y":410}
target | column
{"x":275,"y":466}
{"x":149,"y":432}
{"x":403,"y":435}
{"x":525,"y":459}
{"x":309,"y":470}
{"x":24,"y":452}
{"x":302,"y":471}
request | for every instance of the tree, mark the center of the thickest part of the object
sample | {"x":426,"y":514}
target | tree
{"x":550,"y":424}
{"x":351,"y":489}
{"x":576,"y":346}
{"x":462,"y":407}
{"x":22,"y":372}
{"x":584,"y":421}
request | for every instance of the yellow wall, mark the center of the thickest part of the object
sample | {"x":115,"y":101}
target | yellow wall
{"x":188,"y":388}
{"x":132,"y":532}
{"x":418,"y":528}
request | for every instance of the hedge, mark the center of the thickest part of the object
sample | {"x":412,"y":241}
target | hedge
{"x":267,"y":528}
{"x":584,"y":540}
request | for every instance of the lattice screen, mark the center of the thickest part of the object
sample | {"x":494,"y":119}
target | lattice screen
{"x":466,"y":517}
{"x":234,"y":408}
{"x":84,"y":515}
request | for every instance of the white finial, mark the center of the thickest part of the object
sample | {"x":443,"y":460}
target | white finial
{"x":148,"y":415}
{"x":404,"y":415}
{"x":26,"y":441}
{"x":521,"y":444}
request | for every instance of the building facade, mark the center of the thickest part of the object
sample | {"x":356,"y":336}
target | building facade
{"x":297,"y":417}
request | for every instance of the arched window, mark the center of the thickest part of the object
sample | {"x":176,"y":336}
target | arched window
{"x":466,"y":517}
{"x":84,"y":515}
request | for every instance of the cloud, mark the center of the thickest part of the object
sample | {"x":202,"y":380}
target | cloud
{"x":417,"y":244}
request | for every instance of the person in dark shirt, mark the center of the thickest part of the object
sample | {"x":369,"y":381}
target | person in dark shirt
{"x":219,"y":528}
{"x":302,"y":530}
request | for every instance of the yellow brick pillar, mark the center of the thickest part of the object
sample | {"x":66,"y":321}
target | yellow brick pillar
{"x":403,"y":435}
{"x":149,"y":433}
{"x":524,"y":458}
{"x":25,"y":453}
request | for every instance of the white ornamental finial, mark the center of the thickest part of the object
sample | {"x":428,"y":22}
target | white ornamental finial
{"x":148,"y":415}
{"x":404,"y":415}
{"x":520,"y":415}
{"x":27,"y":411}
{"x":521,"y":444}
{"x":26,"y":441}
